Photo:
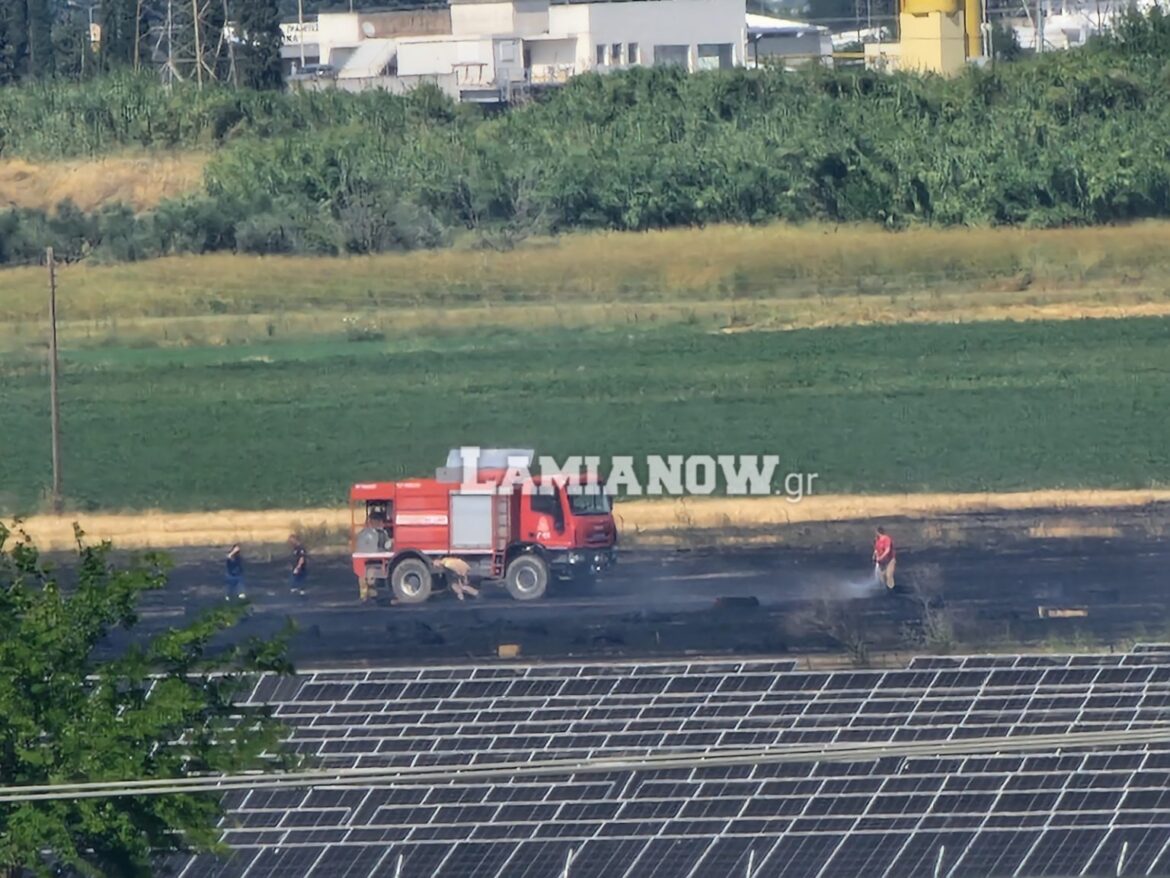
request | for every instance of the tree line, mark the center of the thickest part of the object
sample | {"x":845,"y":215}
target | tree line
{"x":50,"y":40}
{"x":88,"y":696}
{"x":1077,"y":137}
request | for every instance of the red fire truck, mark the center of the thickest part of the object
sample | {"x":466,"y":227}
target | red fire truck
{"x":516,"y":532}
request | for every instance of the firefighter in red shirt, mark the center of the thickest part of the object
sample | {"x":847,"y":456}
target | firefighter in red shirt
{"x":883,"y":558}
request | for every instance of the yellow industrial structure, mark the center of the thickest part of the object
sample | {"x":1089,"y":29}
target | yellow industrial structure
{"x":935,"y":36}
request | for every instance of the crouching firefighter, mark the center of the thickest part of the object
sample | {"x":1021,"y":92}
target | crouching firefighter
{"x":458,"y":573}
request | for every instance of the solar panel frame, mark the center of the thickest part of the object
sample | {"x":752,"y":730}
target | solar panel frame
{"x":1010,"y":811}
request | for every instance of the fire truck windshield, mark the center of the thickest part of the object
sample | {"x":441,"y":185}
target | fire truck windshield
{"x":589,"y":504}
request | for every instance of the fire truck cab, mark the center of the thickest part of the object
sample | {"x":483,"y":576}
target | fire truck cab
{"x":514,"y":533}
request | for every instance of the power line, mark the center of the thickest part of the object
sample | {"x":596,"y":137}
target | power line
{"x":472,"y":773}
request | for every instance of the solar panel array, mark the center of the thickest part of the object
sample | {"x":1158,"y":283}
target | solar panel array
{"x":1151,"y":647}
{"x":1142,"y":655}
{"x":1044,"y":812}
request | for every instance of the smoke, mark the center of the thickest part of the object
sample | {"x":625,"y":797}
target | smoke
{"x":697,"y":589}
{"x":841,"y":587}
{"x":856,"y":589}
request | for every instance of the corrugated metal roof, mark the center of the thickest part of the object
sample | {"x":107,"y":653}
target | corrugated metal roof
{"x":767,"y":24}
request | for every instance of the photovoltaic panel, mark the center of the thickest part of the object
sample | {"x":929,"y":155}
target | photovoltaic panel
{"x":1162,"y":648}
{"x":1035,"y":813}
{"x":1152,"y":655}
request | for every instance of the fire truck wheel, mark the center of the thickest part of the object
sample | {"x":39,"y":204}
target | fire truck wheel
{"x":527,"y":578}
{"x":411,"y":581}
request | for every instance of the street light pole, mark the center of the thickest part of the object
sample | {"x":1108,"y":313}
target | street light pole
{"x":54,"y":401}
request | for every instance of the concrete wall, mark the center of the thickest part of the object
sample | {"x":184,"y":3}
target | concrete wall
{"x":650,"y":23}
{"x":552,"y":60}
{"x":392,"y":84}
{"x":414,"y":23}
{"x":337,"y":29}
{"x":465,"y":59}
{"x":531,"y":17}
{"x":474,"y":63}
{"x":343,"y":30}
{"x":445,"y":83}
{"x":481,"y":19}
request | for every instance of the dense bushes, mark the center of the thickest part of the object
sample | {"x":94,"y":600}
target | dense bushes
{"x":1067,"y":138}
{"x":122,"y":110}
{"x":363,"y":222}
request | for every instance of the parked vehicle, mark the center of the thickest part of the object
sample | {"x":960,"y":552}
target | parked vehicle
{"x":515,"y":534}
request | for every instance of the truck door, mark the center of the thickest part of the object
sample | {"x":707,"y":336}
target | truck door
{"x":544,"y":519}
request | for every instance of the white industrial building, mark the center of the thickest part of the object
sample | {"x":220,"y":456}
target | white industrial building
{"x":1066,"y":24}
{"x":1038,"y":26}
{"x":492,"y":50}
{"x":791,"y":43}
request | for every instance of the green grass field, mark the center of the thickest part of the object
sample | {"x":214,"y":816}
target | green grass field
{"x":990,"y":406}
{"x":730,"y":264}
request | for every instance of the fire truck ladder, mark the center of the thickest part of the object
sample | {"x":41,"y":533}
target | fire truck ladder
{"x":500,"y":539}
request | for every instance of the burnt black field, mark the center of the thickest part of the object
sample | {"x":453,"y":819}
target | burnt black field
{"x":759,"y":601}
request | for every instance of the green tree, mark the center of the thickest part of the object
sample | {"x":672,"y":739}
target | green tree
{"x":1005,"y":46}
{"x":123,"y":29}
{"x":40,"y":38}
{"x":73,"y":57}
{"x":258,"y":57}
{"x":162,"y":708}
{"x":13,"y":41}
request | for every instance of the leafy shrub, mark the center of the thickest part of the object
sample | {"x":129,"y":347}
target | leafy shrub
{"x":374,"y":221}
{"x":289,"y":227}
{"x":1077,"y":137}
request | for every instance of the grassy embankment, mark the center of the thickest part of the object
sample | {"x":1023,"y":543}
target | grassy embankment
{"x":139,"y":180}
{"x":731,"y":278}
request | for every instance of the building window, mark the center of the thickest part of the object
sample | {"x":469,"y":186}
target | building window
{"x":600,"y":53}
{"x":670,"y":56}
{"x":615,"y":52}
{"x":715,"y":56}
{"x":631,"y":53}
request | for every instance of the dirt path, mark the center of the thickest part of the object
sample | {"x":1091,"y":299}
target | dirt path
{"x":939,"y":518}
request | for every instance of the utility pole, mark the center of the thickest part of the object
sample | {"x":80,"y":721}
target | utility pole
{"x":301,"y":30}
{"x":54,"y":402}
{"x":233,"y":73}
{"x":198,"y":48}
{"x":170,"y":72}
{"x":137,"y":34}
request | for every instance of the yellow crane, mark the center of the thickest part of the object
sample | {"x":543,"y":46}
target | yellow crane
{"x":937,"y":36}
